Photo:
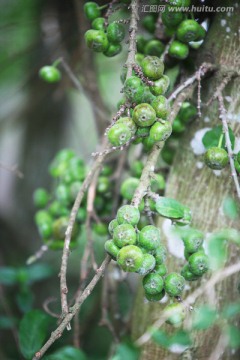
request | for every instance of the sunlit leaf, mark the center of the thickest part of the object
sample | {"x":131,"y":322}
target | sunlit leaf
{"x":170,"y":208}
{"x":204,"y":317}
{"x":67,"y":353}
{"x":211,"y":137}
{"x":230,"y":208}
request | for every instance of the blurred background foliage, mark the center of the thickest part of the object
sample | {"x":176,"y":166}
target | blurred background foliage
{"x":37,"y":120}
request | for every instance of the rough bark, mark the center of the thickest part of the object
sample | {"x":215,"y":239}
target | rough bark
{"x":203,"y":192}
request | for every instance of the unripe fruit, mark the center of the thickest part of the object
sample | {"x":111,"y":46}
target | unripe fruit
{"x":179,"y":2}
{"x":149,"y":23}
{"x":130,"y":258}
{"x":45,"y":229}
{"x":171,"y":19}
{"x":98,"y":24}
{"x":81,"y":215}
{"x":111,"y":248}
{"x":40,"y":198}
{"x":96,"y":40}
{"x":149,"y":237}
{"x":147,"y":265}
{"x":103,"y":184}
{"x":178,"y":126}
{"x":160,"y":254}
{"x":148,"y":97}
{"x":133,"y":89}
{"x":216,"y":158}
{"x":128,"y":214}
{"x":57,"y":209}
{"x":161,"y":106}
{"x":112,"y":225}
{"x":128,"y":188}
{"x":100,"y":229}
{"x":153,"y":283}
{"x":157,"y":183}
{"x":174,"y":284}
{"x":188,"y":30}
{"x":160,"y":131}
{"x":167,"y":154}
{"x":119,"y":134}
{"x":91,"y":10}
{"x":124,"y":234}
{"x":115,"y":33}
{"x":160,"y":86}
{"x":178,"y":50}
{"x":50,"y":74}
{"x":160,"y":269}
{"x":139,"y":58}
{"x":155,"y":297}
{"x":128,"y":122}
{"x":192,"y":240}
{"x":187,"y":112}
{"x":187,"y":274}
{"x":152,"y":67}
{"x":60,"y":226}
{"x":144,"y":115}
{"x":113,"y":50}
{"x":198,"y":263}
{"x":137,"y":168}
{"x":154,"y":47}
{"x":74,"y":189}
{"x":177,"y":314}
{"x":62,"y":193}
{"x":148,"y":144}
{"x":141,"y":42}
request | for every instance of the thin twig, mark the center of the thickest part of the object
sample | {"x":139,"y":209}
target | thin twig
{"x":132,"y":37}
{"x":216,"y":278}
{"x":73,"y":310}
{"x":223,"y":117}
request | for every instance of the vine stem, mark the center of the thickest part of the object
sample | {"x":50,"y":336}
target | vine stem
{"x":218,"y":277}
{"x":73,"y":310}
{"x":223,"y":117}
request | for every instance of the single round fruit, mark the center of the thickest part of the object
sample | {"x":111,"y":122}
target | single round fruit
{"x":149,"y":237}
{"x":160,"y":131}
{"x":50,"y":74}
{"x":128,"y":214}
{"x":178,"y":127}
{"x":57,"y":209}
{"x":96,"y":40}
{"x":177,"y":314}
{"x":149,"y":23}
{"x":160,"y":86}
{"x":147,"y":265}
{"x":157,"y":183}
{"x":144,"y":115}
{"x":216,"y":158}
{"x":124,"y":234}
{"x":188,"y":30}
{"x":155,"y":297}
{"x":91,"y":10}
{"x":113,"y":50}
{"x":98,"y":24}
{"x":130,"y":258}
{"x":119,"y":134}
{"x":148,"y":97}
{"x":133,"y":89}
{"x":45,"y":229}
{"x":187,"y":112}
{"x":129,"y":187}
{"x":115,"y":33}
{"x":81,"y":215}
{"x":139,"y":58}
{"x":160,"y":269}
{"x":192,"y":240}
{"x":198,"y":263}
{"x":62,"y":193}
{"x":141,"y":42}
{"x":168,"y":154}
{"x":154,"y":48}
{"x":112,"y":225}
{"x":178,"y":50}
{"x":174,"y":284}
{"x":152,"y":67}
{"x":148,"y":144}
{"x":153,"y":283}
{"x":60,"y":226}
{"x":161,"y":106}
{"x":171,"y":19}
{"x":103,"y":184}
{"x":40,"y":198}
{"x":160,"y":254}
{"x":111,"y":248}
{"x":187,"y":274}
{"x":136,"y":167}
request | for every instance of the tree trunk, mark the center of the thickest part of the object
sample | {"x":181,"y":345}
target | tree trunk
{"x":202,"y":191}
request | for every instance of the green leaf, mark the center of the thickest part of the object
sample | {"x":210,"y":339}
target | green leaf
{"x":161,"y":338}
{"x":233,"y":335}
{"x":231,"y":310}
{"x":7,"y":322}
{"x":204,"y":317}
{"x":230,"y":208}
{"x":33,"y":331}
{"x":8,"y":276}
{"x":25,"y":299}
{"x":229,"y":235}
{"x":181,"y":337}
{"x":217,"y":251}
{"x":39,"y":272}
{"x":126,"y":351}
{"x":170,"y":208}
{"x":211,"y":137}
{"x":67,"y":353}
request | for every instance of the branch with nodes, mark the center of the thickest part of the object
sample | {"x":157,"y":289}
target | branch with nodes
{"x":223,"y":117}
{"x":215,"y":279}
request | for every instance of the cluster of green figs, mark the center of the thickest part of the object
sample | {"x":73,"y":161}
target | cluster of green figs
{"x":142,"y":251}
